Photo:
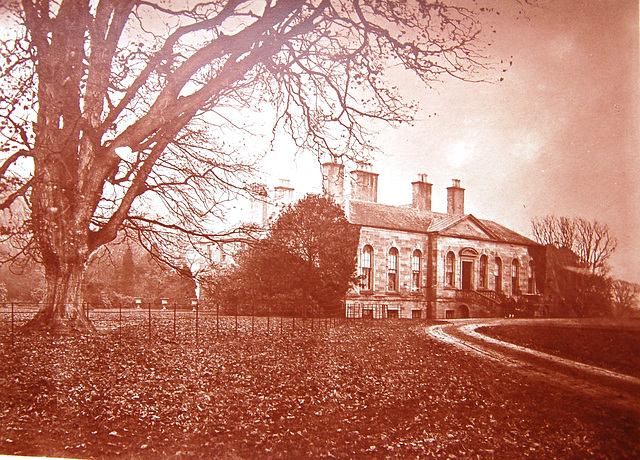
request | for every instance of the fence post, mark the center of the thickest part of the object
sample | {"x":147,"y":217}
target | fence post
{"x":12,"y":322}
{"x":236,"y":311}
{"x":268,"y":319}
{"x":197,"y":310}
{"x":149,"y":320}
{"x":174,"y":321}
{"x":217,"y":319}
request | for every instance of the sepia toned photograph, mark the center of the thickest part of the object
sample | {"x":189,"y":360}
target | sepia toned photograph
{"x":303,"y":229}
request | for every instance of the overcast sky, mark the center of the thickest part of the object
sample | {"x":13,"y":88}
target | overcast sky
{"x":559,"y":135}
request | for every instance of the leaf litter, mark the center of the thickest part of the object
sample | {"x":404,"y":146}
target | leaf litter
{"x":360,"y":389}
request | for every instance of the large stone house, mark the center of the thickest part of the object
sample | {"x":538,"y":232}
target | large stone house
{"x":416,"y":263}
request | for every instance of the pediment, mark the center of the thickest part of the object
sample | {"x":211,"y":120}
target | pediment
{"x":468,"y":227}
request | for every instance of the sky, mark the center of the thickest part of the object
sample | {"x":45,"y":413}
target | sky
{"x":560,"y":135}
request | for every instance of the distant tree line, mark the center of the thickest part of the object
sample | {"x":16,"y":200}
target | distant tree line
{"x":576,"y":271}
{"x":117,"y":275}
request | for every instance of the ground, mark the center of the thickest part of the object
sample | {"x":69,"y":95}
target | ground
{"x":355,"y":389}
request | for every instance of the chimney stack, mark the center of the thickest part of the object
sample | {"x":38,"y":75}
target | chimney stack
{"x":455,"y":198}
{"x":421,"y":196}
{"x":259,"y":200}
{"x":333,"y":181}
{"x":283,"y":192}
{"x":364,"y":186}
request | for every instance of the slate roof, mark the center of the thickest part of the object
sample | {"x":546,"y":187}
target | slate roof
{"x":378,"y":215}
{"x":407,"y":218}
{"x":505,"y":234}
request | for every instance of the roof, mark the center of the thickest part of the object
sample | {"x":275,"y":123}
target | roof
{"x":409,"y":219}
{"x":369,"y":214}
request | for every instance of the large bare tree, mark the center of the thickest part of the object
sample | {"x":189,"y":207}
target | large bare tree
{"x":118,"y":114}
{"x":624,"y":297}
{"x":591,"y":242}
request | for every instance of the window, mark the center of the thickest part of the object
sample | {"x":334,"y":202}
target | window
{"x":498,"y":274}
{"x":515,"y":277}
{"x":392,"y":274}
{"x":531,"y":279}
{"x":366,"y":270}
{"x":484,"y":275}
{"x":416,"y":264}
{"x":449,"y":272}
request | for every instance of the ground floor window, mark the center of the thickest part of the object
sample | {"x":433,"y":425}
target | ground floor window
{"x":498,"y":274}
{"x":531,"y":279}
{"x":515,"y":277}
{"x":484,"y":266}
{"x":392,"y":275}
{"x":449,"y":272}
{"x":366,"y":271}
{"x":416,"y":263}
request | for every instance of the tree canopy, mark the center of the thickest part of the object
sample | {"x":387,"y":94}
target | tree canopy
{"x":304,"y":266}
{"x":577,"y":255}
{"x":591,"y":242}
{"x":118,"y":115}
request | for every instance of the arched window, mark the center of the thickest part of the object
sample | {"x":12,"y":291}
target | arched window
{"x":416,"y":264}
{"x":515,"y":277}
{"x":366,"y":268}
{"x":531,"y":278}
{"x":392,"y":270}
{"x":498,"y":274}
{"x":484,"y":272}
{"x":449,"y":270}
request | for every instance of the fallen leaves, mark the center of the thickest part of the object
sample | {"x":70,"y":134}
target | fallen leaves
{"x":374,"y":389}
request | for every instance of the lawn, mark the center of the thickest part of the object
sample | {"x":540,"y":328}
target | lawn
{"x":354,"y":390}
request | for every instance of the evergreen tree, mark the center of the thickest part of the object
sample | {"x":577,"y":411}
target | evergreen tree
{"x":304,"y":266}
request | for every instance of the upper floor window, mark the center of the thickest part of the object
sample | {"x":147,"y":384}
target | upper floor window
{"x":366,"y":268}
{"x":449,"y":270}
{"x":392,"y":270}
{"x":484,"y":272}
{"x":416,"y":264}
{"x":531,"y":279}
{"x":498,"y":274}
{"x":515,"y":277}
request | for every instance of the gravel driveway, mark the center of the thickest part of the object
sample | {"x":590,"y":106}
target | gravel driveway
{"x":615,"y":388}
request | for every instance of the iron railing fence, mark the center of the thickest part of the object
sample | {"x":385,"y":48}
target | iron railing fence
{"x":174,"y":322}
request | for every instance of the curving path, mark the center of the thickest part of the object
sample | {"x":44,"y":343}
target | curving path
{"x":616,"y":388}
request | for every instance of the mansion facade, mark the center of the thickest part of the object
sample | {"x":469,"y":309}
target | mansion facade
{"x":416,"y":263}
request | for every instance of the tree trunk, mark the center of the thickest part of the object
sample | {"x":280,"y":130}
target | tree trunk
{"x":63,"y":309}
{"x":60,"y":223}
